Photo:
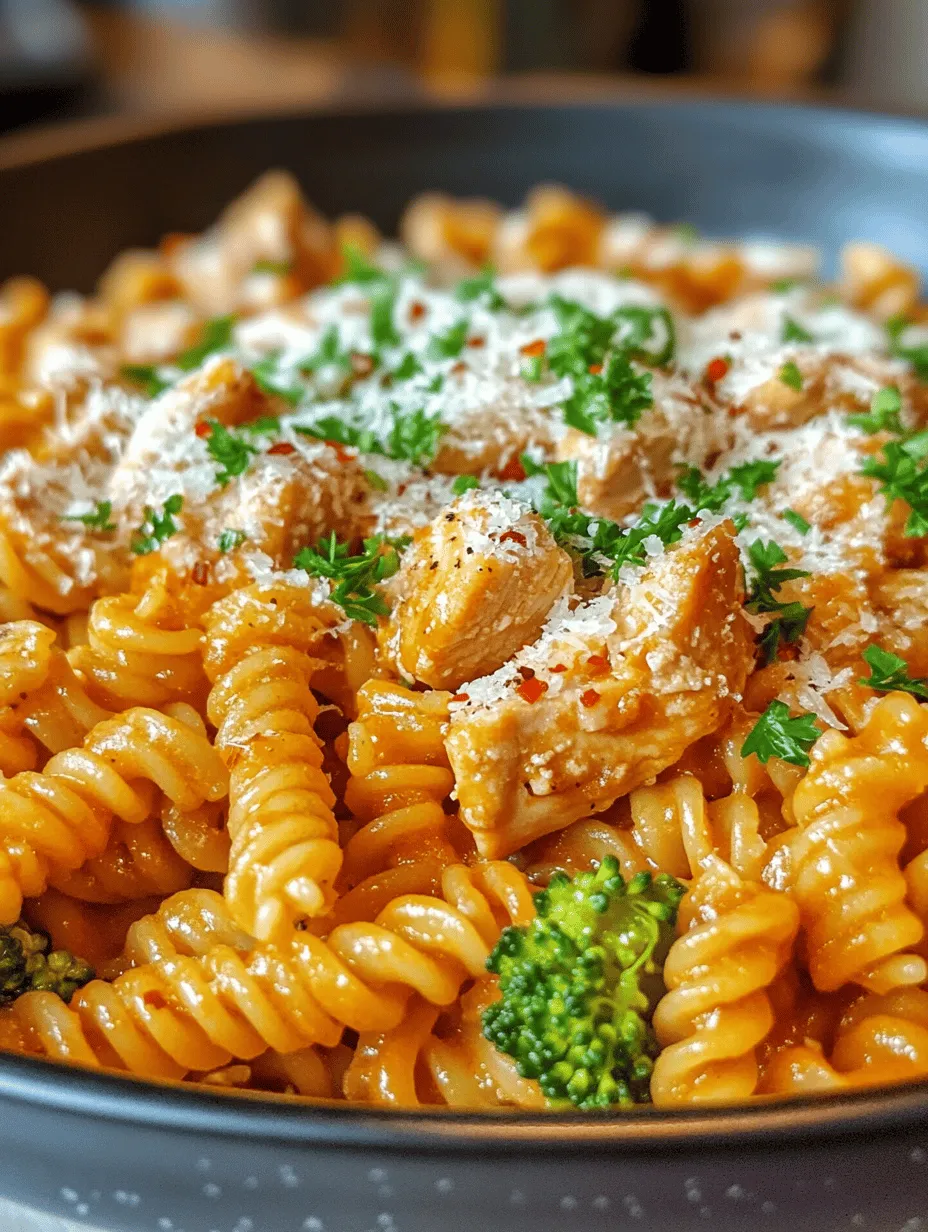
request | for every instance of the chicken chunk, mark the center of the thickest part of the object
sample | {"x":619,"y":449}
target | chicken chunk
{"x":474,"y":589}
{"x":618,"y":469}
{"x":611,"y":694}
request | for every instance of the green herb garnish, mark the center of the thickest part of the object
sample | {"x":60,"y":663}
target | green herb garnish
{"x":230,"y":539}
{"x":230,"y":451}
{"x":796,"y":520}
{"x":777,"y":734}
{"x":617,"y":394}
{"x":216,"y":336}
{"x":481,"y":287}
{"x":790,"y":375}
{"x":98,"y":519}
{"x":355,"y":577}
{"x":794,"y":332}
{"x":157,"y":527}
{"x":147,"y":377}
{"x":464,"y":483}
{"x":890,"y":674}
{"x":282,"y":268}
{"x":268,"y":378}
{"x":450,"y":344}
{"x":883,"y":415}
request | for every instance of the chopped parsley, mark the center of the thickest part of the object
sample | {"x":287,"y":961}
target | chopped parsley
{"x":750,"y":476}
{"x":890,"y":674}
{"x":790,"y":375}
{"x":883,"y":415}
{"x":747,"y":478}
{"x":354,"y":577}
{"x":357,"y":268}
{"x":916,"y":355}
{"x":450,"y":344}
{"x":407,"y":368}
{"x":376,"y":481}
{"x":616,"y":394}
{"x":903,"y":476}
{"x":157,"y":527}
{"x":147,"y":377}
{"x":97,"y":519}
{"x":794,"y":332}
{"x":464,"y":483}
{"x":796,"y":520}
{"x":216,"y":336}
{"x":230,"y":539}
{"x":328,"y":354}
{"x":383,"y":328}
{"x":413,"y":436}
{"x":482,"y":287}
{"x":339,"y":432}
{"x":268,"y":377}
{"x":230,"y":451}
{"x":789,"y":619}
{"x":646,"y":334}
{"x":777,"y":734}
{"x":782,"y":285}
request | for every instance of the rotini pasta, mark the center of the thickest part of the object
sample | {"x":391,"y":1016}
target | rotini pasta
{"x":461,"y":688}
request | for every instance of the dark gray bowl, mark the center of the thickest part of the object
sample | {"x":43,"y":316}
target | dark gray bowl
{"x":126,"y":1155}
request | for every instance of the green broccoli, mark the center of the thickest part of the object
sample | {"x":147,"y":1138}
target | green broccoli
{"x":27,"y":965}
{"x":580,"y":982}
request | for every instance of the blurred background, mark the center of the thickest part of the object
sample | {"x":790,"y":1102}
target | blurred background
{"x":61,"y":58}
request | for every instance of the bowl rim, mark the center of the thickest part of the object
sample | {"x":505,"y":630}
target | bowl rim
{"x":123,"y":1099}
{"x":126,"y":1100}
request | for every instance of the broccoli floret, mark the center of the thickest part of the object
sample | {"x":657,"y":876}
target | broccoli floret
{"x":27,"y":965}
{"x":580,"y":982}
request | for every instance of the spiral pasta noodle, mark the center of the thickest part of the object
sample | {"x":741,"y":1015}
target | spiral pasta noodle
{"x":400,"y":777}
{"x":735,"y":938}
{"x":845,"y":850}
{"x":54,"y":820}
{"x":284,"y":853}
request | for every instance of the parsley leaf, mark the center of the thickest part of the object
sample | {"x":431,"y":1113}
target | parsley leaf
{"x":777,"y":734}
{"x":646,"y":334}
{"x":617,"y":394}
{"x":383,"y":329}
{"x":747,"y":478}
{"x":902,"y":478}
{"x":98,"y":519}
{"x":916,"y":355}
{"x":268,"y":378}
{"x":216,"y":336}
{"x":768,"y":578}
{"x":483,"y":286}
{"x":157,"y":527}
{"x":354,"y":576}
{"x":232,"y":453}
{"x":357,"y":267}
{"x":328,"y":354}
{"x":796,"y":520}
{"x":889,"y":673}
{"x":782,"y":285}
{"x":407,"y":368}
{"x":750,"y":476}
{"x":230,"y":539}
{"x":464,"y":483}
{"x":146,"y":377}
{"x":790,"y":375}
{"x":450,"y":344}
{"x":582,"y":342}
{"x":785,"y":629}
{"x":376,"y":481}
{"x":884,"y":412}
{"x":414,"y":437}
{"x":794,"y":332}
{"x":340,"y":432}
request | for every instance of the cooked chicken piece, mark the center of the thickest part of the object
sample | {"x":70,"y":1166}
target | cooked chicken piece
{"x":23,"y":305}
{"x":267,"y":248}
{"x":619,"y":468}
{"x":491,"y":438}
{"x":474,"y":589}
{"x":136,"y":277}
{"x":873,"y":278}
{"x":455,"y":236}
{"x":611,"y":694}
{"x":555,"y":229}
{"x":157,"y":332}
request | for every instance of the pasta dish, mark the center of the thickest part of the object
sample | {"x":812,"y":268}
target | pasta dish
{"x":482,"y":670}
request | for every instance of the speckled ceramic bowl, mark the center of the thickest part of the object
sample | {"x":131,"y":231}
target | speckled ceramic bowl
{"x":120,"y":1154}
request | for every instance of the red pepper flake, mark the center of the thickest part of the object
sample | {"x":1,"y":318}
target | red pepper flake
{"x":200,"y":573}
{"x":513,"y":536}
{"x":283,"y":447}
{"x":598,"y":662}
{"x":532,"y":690}
{"x":401,"y":489}
{"x":533,"y":349}
{"x":154,"y":1000}
{"x":476,"y":342}
{"x":459,"y":367}
{"x":361,"y":365}
{"x":589,"y":698}
{"x":717,"y":368}
{"x":595,"y":369}
{"x":340,"y":452}
{"x":513,"y":471}
{"x":559,"y":667}
{"x":461,"y":697}
{"x":416,"y":310}
{"x":203,"y":428}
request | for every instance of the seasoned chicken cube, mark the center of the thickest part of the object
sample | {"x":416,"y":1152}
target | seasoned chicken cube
{"x":455,"y":236}
{"x":474,"y":589}
{"x":619,"y":468}
{"x":611,"y":694}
